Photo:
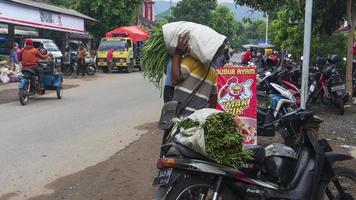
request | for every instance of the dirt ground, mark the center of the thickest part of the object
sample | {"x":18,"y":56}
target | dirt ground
{"x":127,"y":175}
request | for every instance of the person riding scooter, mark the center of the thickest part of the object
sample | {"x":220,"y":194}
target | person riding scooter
{"x":29,"y":57}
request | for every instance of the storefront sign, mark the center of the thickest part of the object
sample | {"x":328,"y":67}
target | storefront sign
{"x":33,"y":17}
{"x":237,"y":95}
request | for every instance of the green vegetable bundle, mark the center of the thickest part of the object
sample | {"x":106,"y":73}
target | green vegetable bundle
{"x":222,"y":141}
{"x":154,"y":57}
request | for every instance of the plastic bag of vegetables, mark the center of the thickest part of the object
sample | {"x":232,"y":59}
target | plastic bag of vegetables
{"x":204,"y":43}
{"x":214,"y":134}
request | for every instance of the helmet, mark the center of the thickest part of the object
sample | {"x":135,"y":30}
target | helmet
{"x":29,"y":42}
{"x":333,"y":58}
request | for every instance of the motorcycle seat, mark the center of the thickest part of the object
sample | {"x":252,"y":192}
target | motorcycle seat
{"x":258,"y":153}
{"x":31,"y":71}
{"x":181,"y":150}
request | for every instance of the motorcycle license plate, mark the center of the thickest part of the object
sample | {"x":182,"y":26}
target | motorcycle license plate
{"x":162,"y":177}
{"x":102,"y":63}
{"x":337,"y":88}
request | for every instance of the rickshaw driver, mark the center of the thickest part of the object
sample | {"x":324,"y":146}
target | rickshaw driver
{"x":29,"y":57}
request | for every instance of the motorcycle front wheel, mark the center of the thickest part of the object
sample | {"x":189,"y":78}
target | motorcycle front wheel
{"x":347,"y":179}
{"x":23,"y":96}
{"x":68,"y":70}
{"x":197,"y":188}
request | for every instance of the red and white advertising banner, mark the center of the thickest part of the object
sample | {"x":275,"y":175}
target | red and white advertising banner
{"x":237,"y":94}
{"x":24,"y":15}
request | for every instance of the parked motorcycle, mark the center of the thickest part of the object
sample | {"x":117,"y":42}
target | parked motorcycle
{"x":278,"y":172}
{"x":90,"y":69}
{"x":274,"y":101}
{"x":327,"y":84}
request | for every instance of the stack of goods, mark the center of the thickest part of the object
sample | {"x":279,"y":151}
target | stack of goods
{"x":222,"y":141}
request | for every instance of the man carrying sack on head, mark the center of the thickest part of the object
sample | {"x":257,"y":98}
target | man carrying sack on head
{"x":187,"y":74}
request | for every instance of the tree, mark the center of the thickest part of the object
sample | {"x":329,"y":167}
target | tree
{"x":194,"y":10}
{"x":109,"y":13}
{"x":327,"y":14}
{"x":263,"y":5}
{"x":224,"y":22}
{"x":285,"y":35}
{"x":351,"y":17}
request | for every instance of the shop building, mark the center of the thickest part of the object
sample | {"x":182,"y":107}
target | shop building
{"x":20,"y":19}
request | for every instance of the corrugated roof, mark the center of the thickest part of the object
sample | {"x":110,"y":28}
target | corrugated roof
{"x":52,"y":8}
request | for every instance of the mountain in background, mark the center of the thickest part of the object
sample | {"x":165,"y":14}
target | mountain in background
{"x":240,"y":12}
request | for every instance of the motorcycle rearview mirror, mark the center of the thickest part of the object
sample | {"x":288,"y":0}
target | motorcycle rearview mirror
{"x":43,"y":50}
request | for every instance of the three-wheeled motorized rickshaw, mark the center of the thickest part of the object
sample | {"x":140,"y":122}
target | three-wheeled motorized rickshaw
{"x":52,"y":80}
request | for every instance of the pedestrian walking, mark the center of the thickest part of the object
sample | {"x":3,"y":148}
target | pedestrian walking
{"x":110,"y":57}
{"x":14,"y":59}
{"x":81,"y":53}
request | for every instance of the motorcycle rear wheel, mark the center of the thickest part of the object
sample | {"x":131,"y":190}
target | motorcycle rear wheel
{"x":91,"y":70}
{"x":347,"y":180}
{"x":197,"y":188}
{"x":340,"y":106}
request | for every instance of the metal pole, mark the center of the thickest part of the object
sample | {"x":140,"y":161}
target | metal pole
{"x":267,"y":28}
{"x":306,"y":52}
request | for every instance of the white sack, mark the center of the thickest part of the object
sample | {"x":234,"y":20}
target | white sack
{"x":194,"y":137}
{"x":4,"y":78}
{"x":204,"y":42}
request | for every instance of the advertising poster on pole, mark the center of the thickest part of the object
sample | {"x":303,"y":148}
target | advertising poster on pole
{"x":237,"y":94}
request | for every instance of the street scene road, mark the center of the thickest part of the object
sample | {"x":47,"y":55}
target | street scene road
{"x":50,"y":138}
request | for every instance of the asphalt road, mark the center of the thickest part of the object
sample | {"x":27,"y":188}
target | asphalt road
{"x":51,"y":138}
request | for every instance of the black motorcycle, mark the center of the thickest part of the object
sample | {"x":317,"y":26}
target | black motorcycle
{"x":278,"y":172}
{"x":90,"y":69}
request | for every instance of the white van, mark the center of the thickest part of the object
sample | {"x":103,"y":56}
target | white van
{"x":50,"y":46}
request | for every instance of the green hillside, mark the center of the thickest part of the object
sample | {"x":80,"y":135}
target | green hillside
{"x":162,"y":10}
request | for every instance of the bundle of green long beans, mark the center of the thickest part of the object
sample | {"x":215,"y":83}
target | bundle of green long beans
{"x":223,"y":142}
{"x":154,"y":57}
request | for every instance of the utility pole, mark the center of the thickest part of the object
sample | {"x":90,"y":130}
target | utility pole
{"x":306,"y":52}
{"x":266,"y":28}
